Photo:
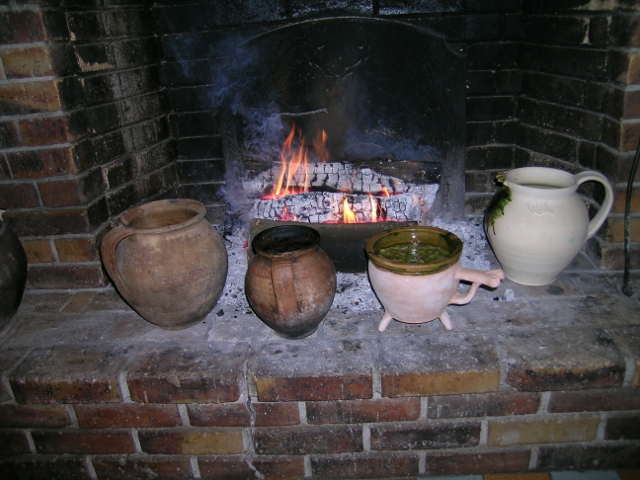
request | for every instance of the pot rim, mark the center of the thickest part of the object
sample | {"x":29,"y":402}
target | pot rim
{"x":150,"y":208}
{"x":402,"y":234}
{"x":280,"y":232}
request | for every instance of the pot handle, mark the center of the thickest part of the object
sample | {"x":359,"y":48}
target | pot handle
{"x":601,"y":215}
{"x":284,"y":286}
{"x":108,"y":252}
{"x":492,"y":278}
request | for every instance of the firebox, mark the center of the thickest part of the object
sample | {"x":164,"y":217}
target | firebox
{"x":343,"y":120}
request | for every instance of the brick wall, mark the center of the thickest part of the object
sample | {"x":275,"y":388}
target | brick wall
{"x":361,"y":410}
{"x":105,"y":106}
{"x":83,"y":134}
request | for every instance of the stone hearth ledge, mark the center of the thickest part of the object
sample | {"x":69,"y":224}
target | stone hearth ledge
{"x":549,"y":380}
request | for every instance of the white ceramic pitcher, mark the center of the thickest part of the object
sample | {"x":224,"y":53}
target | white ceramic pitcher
{"x":537,"y":223}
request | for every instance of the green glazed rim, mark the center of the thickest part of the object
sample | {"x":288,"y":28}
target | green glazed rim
{"x":414,"y":234}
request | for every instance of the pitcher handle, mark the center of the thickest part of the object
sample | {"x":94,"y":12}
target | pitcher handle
{"x":108,"y":252}
{"x":492,"y":278}
{"x":601,"y":215}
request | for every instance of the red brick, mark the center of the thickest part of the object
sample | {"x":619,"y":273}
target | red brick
{"x":107,"y":469}
{"x":128,"y":415}
{"x":33,"y":416}
{"x":416,"y":366}
{"x":31,"y":97}
{"x":77,"y":250}
{"x":623,"y":428}
{"x":78,"y":302}
{"x":365,"y":466}
{"x":13,"y":443}
{"x":543,"y":362}
{"x":23,"y":26}
{"x":38,"y":251}
{"x":468,"y":463}
{"x":276,"y":414}
{"x":307,"y":440}
{"x":42,"y":163}
{"x":186,"y":374}
{"x":27,"y":62}
{"x":192,"y":442}
{"x":63,"y":193}
{"x":219,"y":415}
{"x":57,"y":467}
{"x":70,"y":374}
{"x":46,"y":131}
{"x":9,"y":358}
{"x":18,"y":195}
{"x":284,"y":372}
{"x":483,"y":405}
{"x":272,"y":468}
{"x":626,"y":398}
{"x":364,"y":411}
{"x":86,"y":443}
{"x":90,"y":275}
{"x":419,"y":436}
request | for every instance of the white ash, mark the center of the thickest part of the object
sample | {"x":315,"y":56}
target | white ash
{"x":353,"y":292}
{"x":508,"y":296}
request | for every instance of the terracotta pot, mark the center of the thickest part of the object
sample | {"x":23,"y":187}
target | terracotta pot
{"x":537,"y":223}
{"x":167,"y":262}
{"x":290,"y":282}
{"x":13,"y":274}
{"x":420,"y":292}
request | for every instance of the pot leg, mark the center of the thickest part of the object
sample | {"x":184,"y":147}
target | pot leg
{"x":384,"y":323}
{"x":446,"y":320}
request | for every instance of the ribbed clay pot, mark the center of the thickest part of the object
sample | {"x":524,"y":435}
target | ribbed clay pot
{"x":290,"y":282}
{"x":167,"y":262}
{"x":13,"y":274}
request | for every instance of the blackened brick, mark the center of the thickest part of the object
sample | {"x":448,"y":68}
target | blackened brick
{"x":368,"y":465}
{"x":78,"y":442}
{"x":492,"y":157}
{"x":586,"y":457}
{"x":206,"y":193}
{"x":24,"y":26}
{"x":98,"y":24}
{"x":499,"y":5}
{"x":364,"y":411}
{"x":586,"y":63}
{"x":196,"y":148}
{"x":468,"y":463}
{"x":488,"y":82}
{"x":490,"y":108}
{"x":307,"y":440}
{"x":129,"y":415}
{"x":623,"y":428}
{"x":556,"y":29}
{"x":13,"y":443}
{"x":219,"y":415}
{"x":33,"y":416}
{"x":41,"y":163}
{"x":627,"y":398}
{"x":57,"y":467}
{"x":18,"y":195}
{"x":555,"y":88}
{"x":425,"y":436}
{"x":121,"y":84}
{"x":482,"y":27}
{"x":186,"y":375}
{"x":483,"y":405}
{"x":190,"y":98}
{"x":548,"y":142}
{"x":122,"y":199}
{"x":201,"y":171}
{"x":174,"y":469}
{"x":394,"y":7}
{"x":564,"y":119}
{"x":484,"y":56}
{"x":194,"y":124}
{"x":625,"y":29}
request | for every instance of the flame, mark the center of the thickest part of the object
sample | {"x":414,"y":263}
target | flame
{"x":290,"y":162}
{"x":385,"y":192}
{"x":374,"y":209}
{"x":348,"y":215}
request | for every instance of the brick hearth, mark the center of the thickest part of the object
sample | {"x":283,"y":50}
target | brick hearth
{"x":547,"y":381}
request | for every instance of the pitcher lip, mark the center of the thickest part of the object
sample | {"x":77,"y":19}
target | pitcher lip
{"x":563,"y":181}
{"x":400,"y":235}
{"x":194,"y":206}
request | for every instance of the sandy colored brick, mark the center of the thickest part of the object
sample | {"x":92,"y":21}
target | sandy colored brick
{"x":78,"y":302}
{"x":540,"y":431}
{"x":27,"y":62}
{"x":38,"y":251}
{"x":77,"y":250}
{"x":31,"y":97}
{"x":209,"y":442}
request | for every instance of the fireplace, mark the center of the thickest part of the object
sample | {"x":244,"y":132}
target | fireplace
{"x":118,"y":107}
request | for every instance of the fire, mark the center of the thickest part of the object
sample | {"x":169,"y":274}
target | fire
{"x":293,"y":177}
{"x":348,"y":215}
